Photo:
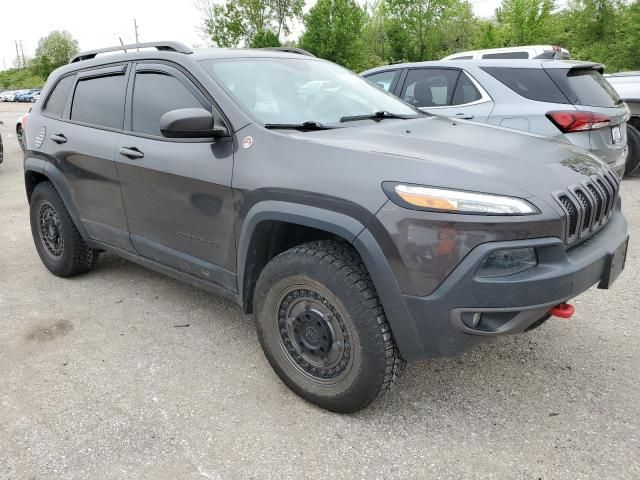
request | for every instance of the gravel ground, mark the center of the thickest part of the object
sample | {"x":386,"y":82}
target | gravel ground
{"x":124,"y":373}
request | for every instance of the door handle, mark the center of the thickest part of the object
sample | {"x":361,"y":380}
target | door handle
{"x":464,"y":116}
{"x":59,"y":138}
{"x":131,"y":152}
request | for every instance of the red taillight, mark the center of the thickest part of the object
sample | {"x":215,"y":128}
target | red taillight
{"x":23,"y":121}
{"x":575,"y":121}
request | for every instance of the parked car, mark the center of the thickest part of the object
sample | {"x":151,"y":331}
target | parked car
{"x":21,"y":122}
{"x":26,"y":95}
{"x":514,"y":53}
{"x":360,"y":231}
{"x":35,"y":97}
{"x":18,"y":94}
{"x":8,"y":96}
{"x":627,"y":84}
{"x":566,"y":100}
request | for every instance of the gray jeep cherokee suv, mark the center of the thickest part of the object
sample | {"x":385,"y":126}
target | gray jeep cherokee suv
{"x":361,"y":232}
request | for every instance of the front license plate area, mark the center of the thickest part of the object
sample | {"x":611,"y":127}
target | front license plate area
{"x":616,"y":265}
{"x":616,"y":136}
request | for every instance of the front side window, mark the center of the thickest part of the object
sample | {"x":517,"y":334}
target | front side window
{"x":383,"y":80}
{"x":155,"y":94}
{"x":58,"y":98}
{"x":429,"y":87}
{"x":100,"y":101}
{"x":466,"y":91}
{"x":298,"y":90}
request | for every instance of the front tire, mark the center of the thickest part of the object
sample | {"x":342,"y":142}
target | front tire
{"x":58,"y":242}
{"x":633,"y":159}
{"x":322,"y":327}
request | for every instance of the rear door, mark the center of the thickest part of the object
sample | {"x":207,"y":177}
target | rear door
{"x":446,"y":91}
{"x":85,"y":115}
{"x":177,"y":192}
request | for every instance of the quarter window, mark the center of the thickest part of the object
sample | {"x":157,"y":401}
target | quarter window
{"x":155,"y":94}
{"x":58,"y":98}
{"x":531,"y":83}
{"x":429,"y":87}
{"x":383,"y":80}
{"x":100,"y":101}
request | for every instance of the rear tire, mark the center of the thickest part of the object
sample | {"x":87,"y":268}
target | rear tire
{"x":322,"y":327}
{"x":20,"y":136}
{"x":633,"y":159}
{"x":58,"y":242}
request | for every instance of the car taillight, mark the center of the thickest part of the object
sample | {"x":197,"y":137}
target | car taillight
{"x":576,"y":121}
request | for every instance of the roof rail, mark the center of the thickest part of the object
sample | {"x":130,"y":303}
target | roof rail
{"x":163,"y":46}
{"x":289,"y":50}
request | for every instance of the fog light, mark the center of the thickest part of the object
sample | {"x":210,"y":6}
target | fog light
{"x":501,"y":263}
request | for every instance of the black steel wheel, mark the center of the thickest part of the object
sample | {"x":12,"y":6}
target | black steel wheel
{"x":322,"y":327}
{"x":50,"y":230}
{"x":313,"y":334}
{"x":59,"y":244}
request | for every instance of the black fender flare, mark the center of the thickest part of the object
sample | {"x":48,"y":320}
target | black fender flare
{"x":55,"y":176}
{"x":354,"y":232}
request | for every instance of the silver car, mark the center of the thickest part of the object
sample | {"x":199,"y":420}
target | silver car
{"x":567,"y":100}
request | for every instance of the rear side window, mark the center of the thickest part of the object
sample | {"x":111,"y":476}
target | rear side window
{"x":58,"y":98}
{"x":384,"y":80}
{"x":429,"y":87}
{"x":466,"y":91}
{"x":507,"y":55}
{"x":100,"y":101}
{"x":591,"y":89}
{"x":155,"y":94}
{"x":531,"y":83}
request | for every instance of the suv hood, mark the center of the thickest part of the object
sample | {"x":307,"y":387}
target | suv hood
{"x":464,"y":155}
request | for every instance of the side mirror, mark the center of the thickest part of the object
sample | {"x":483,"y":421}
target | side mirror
{"x":191,"y":123}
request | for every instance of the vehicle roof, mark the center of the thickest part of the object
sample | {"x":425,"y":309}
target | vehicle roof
{"x":503,"y":63}
{"x":196,"y":55}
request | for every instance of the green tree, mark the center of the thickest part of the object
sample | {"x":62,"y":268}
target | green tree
{"x":525,"y":20}
{"x":265,"y":39}
{"x":54,"y":50}
{"x":415,"y":23}
{"x":239,"y":22}
{"x":333,"y":31}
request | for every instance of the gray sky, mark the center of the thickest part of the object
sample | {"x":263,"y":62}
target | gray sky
{"x":99,"y":23}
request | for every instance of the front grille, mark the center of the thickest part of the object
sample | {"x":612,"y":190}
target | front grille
{"x":588,"y":206}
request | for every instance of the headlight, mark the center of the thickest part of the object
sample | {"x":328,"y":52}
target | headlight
{"x":456,"y":201}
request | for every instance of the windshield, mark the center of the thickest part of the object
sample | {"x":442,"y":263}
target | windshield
{"x":294,"y":91}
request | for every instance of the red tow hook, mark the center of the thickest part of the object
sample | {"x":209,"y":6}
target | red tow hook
{"x":564,"y":310}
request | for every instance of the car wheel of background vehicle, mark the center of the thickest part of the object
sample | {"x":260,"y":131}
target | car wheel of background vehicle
{"x":20,"y":135}
{"x":322,"y":327}
{"x":58,"y":242}
{"x":633,"y":142}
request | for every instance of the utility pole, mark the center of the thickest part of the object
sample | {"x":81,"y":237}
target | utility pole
{"x":135,"y":28}
{"x":24,"y":64}
{"x":18,"y":54}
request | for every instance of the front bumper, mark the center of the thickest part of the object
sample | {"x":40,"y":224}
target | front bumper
{"x":510,"y":304}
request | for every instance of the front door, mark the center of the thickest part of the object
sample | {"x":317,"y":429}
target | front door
{"x":177,"y":192}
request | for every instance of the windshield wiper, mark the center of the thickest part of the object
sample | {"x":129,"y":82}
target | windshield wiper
{"x":380,"y":115}
{"x":303,"y":127}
